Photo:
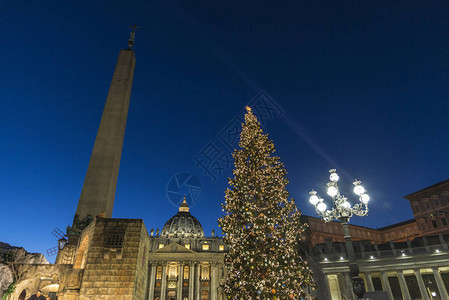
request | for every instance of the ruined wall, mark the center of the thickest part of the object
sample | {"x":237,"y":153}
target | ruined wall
{"x":35,"y":277}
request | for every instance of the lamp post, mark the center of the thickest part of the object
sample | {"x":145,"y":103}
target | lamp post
{"x":61,"y":243}
{"x":343,"y":211}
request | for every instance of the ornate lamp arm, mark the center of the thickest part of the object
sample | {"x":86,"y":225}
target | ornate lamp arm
{"x":343,"y":211}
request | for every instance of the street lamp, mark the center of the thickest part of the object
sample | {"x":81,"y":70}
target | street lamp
{"x":61,"y":243}
{"x":343,"y":211}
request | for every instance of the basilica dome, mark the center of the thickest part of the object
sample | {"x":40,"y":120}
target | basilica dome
{"x":183,"y":224}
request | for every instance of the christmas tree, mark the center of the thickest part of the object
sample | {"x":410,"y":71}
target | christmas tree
{"x":261,"y":226}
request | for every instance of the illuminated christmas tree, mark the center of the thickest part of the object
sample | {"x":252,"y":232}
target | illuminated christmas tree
{"x":261,"y":224}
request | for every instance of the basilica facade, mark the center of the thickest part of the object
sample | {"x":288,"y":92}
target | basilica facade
{"x":183,"y":263}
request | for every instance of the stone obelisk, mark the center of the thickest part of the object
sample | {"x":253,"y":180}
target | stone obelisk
{"x":98,"y":193}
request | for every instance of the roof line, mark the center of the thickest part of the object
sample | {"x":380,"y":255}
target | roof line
{"x":376,"y":229}
{"x":428,"y":188}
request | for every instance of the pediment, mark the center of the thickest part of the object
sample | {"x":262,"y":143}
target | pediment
{"x":173,"y":248}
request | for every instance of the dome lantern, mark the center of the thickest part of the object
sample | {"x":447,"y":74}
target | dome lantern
{"x":184,"y":207}
{"x":183,"y":224}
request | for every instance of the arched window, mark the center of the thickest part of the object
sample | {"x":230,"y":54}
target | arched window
{"x":23,"y":295}
{"x":186,"y":272}
{"x":81,"y":255}
{"x":446,"y":197}
{"x":205,"y":272}
{"x":159,"y":272}
{"x":422,"y":222}
{"x":442,"y":216}
{"x":173,"y":271}
{"x":427,"y":204}
{"x":436,"y":201}
{"x":434,"y":223}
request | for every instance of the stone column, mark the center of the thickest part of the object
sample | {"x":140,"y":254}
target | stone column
{"x":403,"y":284}
{"x":164,"y":281}
{"x":443,"y":242}
{"x":369,"y":282}
{"x":421,"y":285}
{"x":180,"y":281}
{"x":326,"y":288}
{"x":349,"y":286}
{"x":225,"y":275}
{"x":213,"y":281}
{"x":386,"y":285}
{"x":197,"y":282}
{"x":191,"y":278}
{"x":97,"y":195}
{"x":426,"y":244}
{"x":152,"y":279}
{"x":409,"y":246}
{"x":440,"y":283}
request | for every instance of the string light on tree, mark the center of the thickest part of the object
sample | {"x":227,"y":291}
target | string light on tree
{"x":261,"y":224}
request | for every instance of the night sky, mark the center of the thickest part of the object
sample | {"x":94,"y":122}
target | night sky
{"x":361,"y":86}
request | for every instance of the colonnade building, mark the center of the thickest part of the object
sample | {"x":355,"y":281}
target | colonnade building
{"x":408,"y":260}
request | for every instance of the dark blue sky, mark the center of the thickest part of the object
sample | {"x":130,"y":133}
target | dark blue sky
{"x":364,"y":87}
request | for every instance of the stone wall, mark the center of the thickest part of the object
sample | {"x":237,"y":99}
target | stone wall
{"x":113,"y":269}
{"x":141,"y":279}
{"x":38,"y":276}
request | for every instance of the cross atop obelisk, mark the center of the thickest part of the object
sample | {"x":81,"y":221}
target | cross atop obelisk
{"x":132,"y":36}
{"x":98,"y":193}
